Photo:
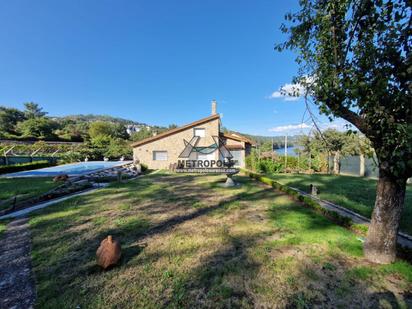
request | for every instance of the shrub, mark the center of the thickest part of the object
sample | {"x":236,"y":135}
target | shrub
{"x":276,"y":164}
{"x":144,"y":167}
{"x":24,"y":166}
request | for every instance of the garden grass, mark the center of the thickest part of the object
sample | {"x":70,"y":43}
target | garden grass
{"x":24,"y":188}
{"x":3,"y":227}
{"x":355,"y":193}
{"x":189,"y":243}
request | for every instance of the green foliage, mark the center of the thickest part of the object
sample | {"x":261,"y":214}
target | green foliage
{"x":105,"y":146}
{"x":73,"y":156}
{"x":333,"y":141}
{"x":142,"y":134}
{"x":9,"y":117}
{"x":144,"y":167}
{"x":41,"y":128}
{"x":33,"y":124}
{"x":354,"y":61}
{"x":24,"y":166}
{"x":118,"y":148}
{"x":33,"y":110}
{"x":101,"y":128}
{"x":70,"y":130}
{"x":314,"y":162}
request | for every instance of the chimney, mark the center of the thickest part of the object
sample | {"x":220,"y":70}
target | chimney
{"x":214,"y":107}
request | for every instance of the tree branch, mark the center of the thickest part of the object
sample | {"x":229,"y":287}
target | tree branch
{"x":350,"y":116}
{"x":352,"y":33}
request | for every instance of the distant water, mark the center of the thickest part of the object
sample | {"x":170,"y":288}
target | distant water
{"x":290,"y":151}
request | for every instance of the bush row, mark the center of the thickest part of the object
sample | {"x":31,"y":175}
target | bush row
{"x":276,"y":164}
{"x":24,"y":166}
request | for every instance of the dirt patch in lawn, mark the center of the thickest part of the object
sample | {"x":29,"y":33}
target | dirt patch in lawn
{"x":188,"y":243}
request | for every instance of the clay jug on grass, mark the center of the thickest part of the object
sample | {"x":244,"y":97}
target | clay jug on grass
{"x":109,"y":252}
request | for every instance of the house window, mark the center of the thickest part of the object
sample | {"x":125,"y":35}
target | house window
{"x":199,"y":132}
{"x":160,"y":155}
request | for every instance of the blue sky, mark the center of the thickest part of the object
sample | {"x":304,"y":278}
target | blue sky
{"x":158,"y":62}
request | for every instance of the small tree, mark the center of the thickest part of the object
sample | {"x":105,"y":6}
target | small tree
{"x":141,"y":134}
{"x":119,"y":148}
{"x":37,"y":127}
{"x":9,"y":117}
{"x":355,"y":61}
{"x":33,"y":110}
{"x":105,"y":128}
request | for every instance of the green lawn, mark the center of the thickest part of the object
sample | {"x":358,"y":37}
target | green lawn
{"x":24,"y":188}
{"x":2,"y":227}
{"x":188,"y":243}
{"x":354,"y":193}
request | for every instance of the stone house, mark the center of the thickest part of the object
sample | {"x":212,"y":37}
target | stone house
{"x":200,"y":140}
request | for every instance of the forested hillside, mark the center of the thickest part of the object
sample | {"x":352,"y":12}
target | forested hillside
{"x":101,"y":135}
{"x":33,"y":123}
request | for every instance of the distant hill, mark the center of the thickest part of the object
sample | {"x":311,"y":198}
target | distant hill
{"x":92,"y":117}
{"x":17,"y":125}
{"x":278,"y":141}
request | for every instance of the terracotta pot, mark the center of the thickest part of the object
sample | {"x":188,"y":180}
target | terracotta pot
{"x":109,"y":252}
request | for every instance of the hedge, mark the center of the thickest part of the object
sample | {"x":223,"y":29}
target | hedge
{"x":5,"y":169}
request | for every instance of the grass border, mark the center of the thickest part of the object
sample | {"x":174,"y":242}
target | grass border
{"x":359,"y":229}
{"x":307,"y":201}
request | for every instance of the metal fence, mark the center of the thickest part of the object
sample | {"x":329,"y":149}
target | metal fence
{"x":351,"y":165}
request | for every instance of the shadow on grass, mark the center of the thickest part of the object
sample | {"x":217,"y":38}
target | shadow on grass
{"x":355,"y":193}
{"x":66,"y":240}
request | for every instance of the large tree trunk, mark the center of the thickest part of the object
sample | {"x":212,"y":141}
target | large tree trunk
{"x":380,"y":245}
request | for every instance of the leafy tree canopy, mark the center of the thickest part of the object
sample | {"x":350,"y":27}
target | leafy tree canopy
{"x":141,"y":134}
{"x":355,"y":61}
{"x":37,"y":127}
{"x":103,"y":128}
{"x":9,"y":117}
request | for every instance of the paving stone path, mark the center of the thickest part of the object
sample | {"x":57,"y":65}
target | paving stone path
{"x":17,"y":287}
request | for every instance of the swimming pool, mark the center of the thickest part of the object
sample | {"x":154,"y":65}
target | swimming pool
{"x":72,"y":169}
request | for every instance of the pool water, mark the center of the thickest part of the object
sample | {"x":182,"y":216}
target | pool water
{"x":73,"y":169}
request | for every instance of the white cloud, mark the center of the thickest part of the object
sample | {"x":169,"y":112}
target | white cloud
{"x":276,"y":95}
{"x":338,"y":124}
{"x":290,"y":127}
{"x":304,"y":128}
{"x":291,"y":92}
